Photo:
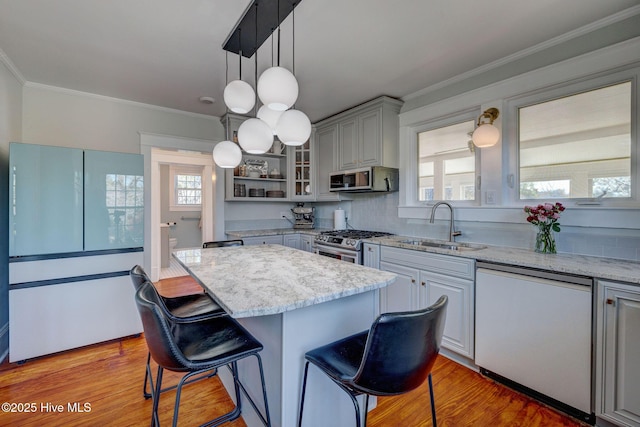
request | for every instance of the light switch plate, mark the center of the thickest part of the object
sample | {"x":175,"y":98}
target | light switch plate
{"x":490,"y":197}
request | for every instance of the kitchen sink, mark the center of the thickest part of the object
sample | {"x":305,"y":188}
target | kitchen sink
{"x":452,"y":246}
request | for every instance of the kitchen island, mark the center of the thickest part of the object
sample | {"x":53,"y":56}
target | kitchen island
{"x":292,"y":301}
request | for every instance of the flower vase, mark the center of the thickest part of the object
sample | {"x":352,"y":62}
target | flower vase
{"x":545,"y":242}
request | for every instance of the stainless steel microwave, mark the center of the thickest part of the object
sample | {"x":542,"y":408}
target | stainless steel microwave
{"x":366,"y":179}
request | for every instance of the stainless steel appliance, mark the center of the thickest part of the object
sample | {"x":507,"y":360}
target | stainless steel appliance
{"x":345,"y":245}
{"x":304,"y":216}
{"x":365,"y":180}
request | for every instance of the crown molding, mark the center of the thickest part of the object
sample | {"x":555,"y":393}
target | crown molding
{"x":12,"y":67}
{"x":74,"y":92}
{"x":601,"y":23}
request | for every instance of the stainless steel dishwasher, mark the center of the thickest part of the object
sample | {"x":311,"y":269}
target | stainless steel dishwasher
{"x":534,"y":333}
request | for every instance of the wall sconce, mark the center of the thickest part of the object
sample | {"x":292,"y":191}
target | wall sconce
{"x":486,"y":134}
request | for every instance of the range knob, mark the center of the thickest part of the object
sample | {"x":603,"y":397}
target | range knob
{"x":351,"y":242}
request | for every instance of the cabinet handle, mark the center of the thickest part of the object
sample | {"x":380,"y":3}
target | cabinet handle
{"x":611,"y":302}
{"x":370,"y":250}
{"x":422,"y":283}
{"x":413,"y":280}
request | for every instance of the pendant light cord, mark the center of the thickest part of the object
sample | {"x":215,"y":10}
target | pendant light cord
{"x":226,"y":82}
{"x":278,"y":33}
{"x":255,"y":106}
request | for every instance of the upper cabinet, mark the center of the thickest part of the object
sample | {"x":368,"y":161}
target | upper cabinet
{"x":281,"y":174}
{"x":259,"y":177}
{"x":367,"y":135}
{"x":302,"y":171}
{"x":66,"y":200}
{"x":45,"y":200}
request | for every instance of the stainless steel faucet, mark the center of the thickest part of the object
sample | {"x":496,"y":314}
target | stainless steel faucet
{"x":452,"y":234}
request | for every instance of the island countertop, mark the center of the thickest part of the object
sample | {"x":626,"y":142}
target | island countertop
{"x":260,"y":280}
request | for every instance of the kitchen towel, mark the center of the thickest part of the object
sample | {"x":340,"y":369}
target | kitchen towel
{"x":339,"y":220}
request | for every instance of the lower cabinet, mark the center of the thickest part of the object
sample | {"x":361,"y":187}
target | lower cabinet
{"x":422,"y":279}
{"x":307,"y":242}
{"x":371,"y":255}
{"x":291,"y":240}
{"x":263,"y":240}
{"x":618,"y":353}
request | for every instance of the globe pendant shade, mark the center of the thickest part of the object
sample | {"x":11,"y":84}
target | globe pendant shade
{"x":255,"y":136}
{"x":239,"y":96}
{"x":485,"y":135}
{"x":226,"y":154}
{"x":278,"y":88}
{"x":294,"y":127}
{"x":269,"y":116}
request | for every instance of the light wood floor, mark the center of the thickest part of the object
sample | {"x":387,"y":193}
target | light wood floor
{"x":109,"y":377}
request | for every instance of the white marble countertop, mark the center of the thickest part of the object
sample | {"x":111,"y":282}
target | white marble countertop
{"x":260,"y":280}
{"x":273,"y":232}
{"x":603,"y":268}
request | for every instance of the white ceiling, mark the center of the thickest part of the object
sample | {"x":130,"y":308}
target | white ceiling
{"x":168,"y":52}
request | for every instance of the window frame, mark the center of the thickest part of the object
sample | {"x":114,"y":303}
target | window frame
{"x":470,"y":114}
{"x":174,"y":171}
{"x":569,"y":88}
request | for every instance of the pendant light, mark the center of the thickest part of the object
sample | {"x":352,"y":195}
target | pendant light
{"x":269,"y":116}
{"x":254,"y":135}
{"x":239,"y":95}
{"x":294,"y":127}
{"x":277,"y":87}
{"x":227,"y":154}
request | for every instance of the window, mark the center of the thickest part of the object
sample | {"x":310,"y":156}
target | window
{"x":125,"y":204}
{"x":447,"y":163}
{"x":577,"y":146}
{"x":187,"y":188}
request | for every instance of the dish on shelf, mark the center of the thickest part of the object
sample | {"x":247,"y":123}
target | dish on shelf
{"x":275,"y":193}
{"x":275,"y":176}
{"x":256,"y":192}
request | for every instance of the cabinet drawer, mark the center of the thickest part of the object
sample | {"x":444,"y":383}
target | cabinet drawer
{"x":445,"y":264}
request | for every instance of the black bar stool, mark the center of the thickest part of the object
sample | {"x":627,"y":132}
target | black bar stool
{"x":196,"y":347}
{"x":393,"y":357}
{"x":186,"y":307}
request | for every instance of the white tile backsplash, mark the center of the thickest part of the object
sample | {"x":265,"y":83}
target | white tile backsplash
{"x":379,"y":212}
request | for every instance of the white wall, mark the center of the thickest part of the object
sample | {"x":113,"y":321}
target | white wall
{"x":54,"y":116}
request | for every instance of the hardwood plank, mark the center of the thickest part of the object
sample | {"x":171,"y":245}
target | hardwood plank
{"x":109,"y":377}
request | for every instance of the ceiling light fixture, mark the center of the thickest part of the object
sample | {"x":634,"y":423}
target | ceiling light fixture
{"x":206,"y":100}
{"x":254,"y":135}
{"x":277,"y":87}
{"x":239,"y":95}
{"x":294,"y":127}
{"x":486,"y":134}
{"x":227,"y":154}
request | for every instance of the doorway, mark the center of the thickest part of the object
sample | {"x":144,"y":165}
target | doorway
{"x":166,"y":150}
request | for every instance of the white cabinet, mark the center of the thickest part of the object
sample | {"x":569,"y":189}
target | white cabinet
{"x":259,"y":177}
{"x":291,"y":240}
{"x":307,"y":243}
{"x":618,"y":353}
{"x":263,"y":240}
{"x":424,"y":277}
{"x":366,"y":135}
{"x":326,"y":137}
{"x":371,"y":255}
{"x":302,"y":171}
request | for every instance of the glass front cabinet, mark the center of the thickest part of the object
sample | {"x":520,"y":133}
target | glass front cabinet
{"x":281,"y":174}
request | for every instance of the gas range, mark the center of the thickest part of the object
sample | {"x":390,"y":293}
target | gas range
{"x":347,"y":239}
